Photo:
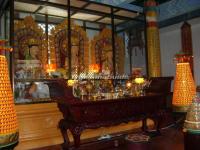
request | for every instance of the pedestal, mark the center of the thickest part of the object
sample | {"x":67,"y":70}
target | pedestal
{"x":191,"y":141}
{"x":9,"y":146}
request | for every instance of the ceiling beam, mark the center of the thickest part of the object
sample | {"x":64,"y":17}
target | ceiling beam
{"x":126,"y":4}
{"x":171,"y":9}
{"x":84,"y":6}
{"x":123,"y":4}
{"x":180,"y":18}
{"x":116,"y":2}
{"x":105,"y":16}
{"x":43,"y":22}
{"x":38,"y":9}
{"x":115,"y":7}
{"x":83,"y":10}
{"x":132,"y":7}
{"x":128,"y":1}
{"x":60,"y":17}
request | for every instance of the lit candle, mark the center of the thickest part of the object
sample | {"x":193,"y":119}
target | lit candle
{"x":128,"y":84}
{"x":71,"y":82}
{"x":50,"y":68}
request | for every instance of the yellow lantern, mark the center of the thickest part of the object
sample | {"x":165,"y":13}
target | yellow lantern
{"x":50,"y":68}
{"x":184,"y":87}
{"x":94,"y":68}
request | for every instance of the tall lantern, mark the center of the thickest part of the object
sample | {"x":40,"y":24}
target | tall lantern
{"x":8,"y":121}
{"x":184,"y":86}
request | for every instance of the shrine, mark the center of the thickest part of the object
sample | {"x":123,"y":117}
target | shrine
{"x":99,"y":75}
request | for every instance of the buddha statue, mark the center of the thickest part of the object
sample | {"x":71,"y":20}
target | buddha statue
{"x":31,"y":64}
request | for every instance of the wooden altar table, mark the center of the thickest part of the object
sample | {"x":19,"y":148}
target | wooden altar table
{"x":80,"y":115}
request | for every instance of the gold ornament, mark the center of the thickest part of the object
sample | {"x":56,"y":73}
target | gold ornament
{"x":77,"y":34}
{"x":28,"y":32}
{"x":106,"y":35}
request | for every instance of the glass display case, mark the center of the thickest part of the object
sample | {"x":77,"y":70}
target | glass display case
{"x":61,"y":39}
{"x":31,"y":91}
{"x":49,"y":43}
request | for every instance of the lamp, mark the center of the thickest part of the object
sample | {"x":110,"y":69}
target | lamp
{"x":50,"y":68}
{"x":71,"y":82}
{"x":184,"y":87}
{"x":93,"y":71}
{"x":94,"y":68}
{"x":8,"y":121}
{"x":139,"y":80}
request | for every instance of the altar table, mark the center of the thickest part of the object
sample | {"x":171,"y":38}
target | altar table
{"x":80,"y":115}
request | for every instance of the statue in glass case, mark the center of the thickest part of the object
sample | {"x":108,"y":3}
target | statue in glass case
{"x":79,"y":47}
{"x":30,"y":49}
{"x":102,"y":53}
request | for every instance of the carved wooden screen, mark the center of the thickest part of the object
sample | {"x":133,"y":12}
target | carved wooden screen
{"x":79,"y":49}
{"x":102,"y":45}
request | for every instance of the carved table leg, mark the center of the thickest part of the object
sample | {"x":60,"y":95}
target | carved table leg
{"x":156,"y":121}
{"x":76,"y":140}
{"x":76,"y":132}
{"x":63,"y":125}
{"x":144,"y":124}
{"x":157,"y":125}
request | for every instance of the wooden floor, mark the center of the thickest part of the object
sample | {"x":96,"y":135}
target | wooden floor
{"x":170,"y":139}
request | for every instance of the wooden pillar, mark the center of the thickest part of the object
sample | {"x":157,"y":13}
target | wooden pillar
{"x":153,"y":41}
{"x":113,"y":40}
{"x":11,"y":40}
{"x":186,"y":40}
{"x":69,"y":38}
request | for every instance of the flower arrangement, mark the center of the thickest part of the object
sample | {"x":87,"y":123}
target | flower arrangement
{"x":140,"y":84}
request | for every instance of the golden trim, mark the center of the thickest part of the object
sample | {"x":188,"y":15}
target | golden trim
{"x":55,"y":34}
{"x":26,"y":30}
{"x":153,"y":47}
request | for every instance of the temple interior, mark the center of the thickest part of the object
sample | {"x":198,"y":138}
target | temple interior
{"x":99,"y":74}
